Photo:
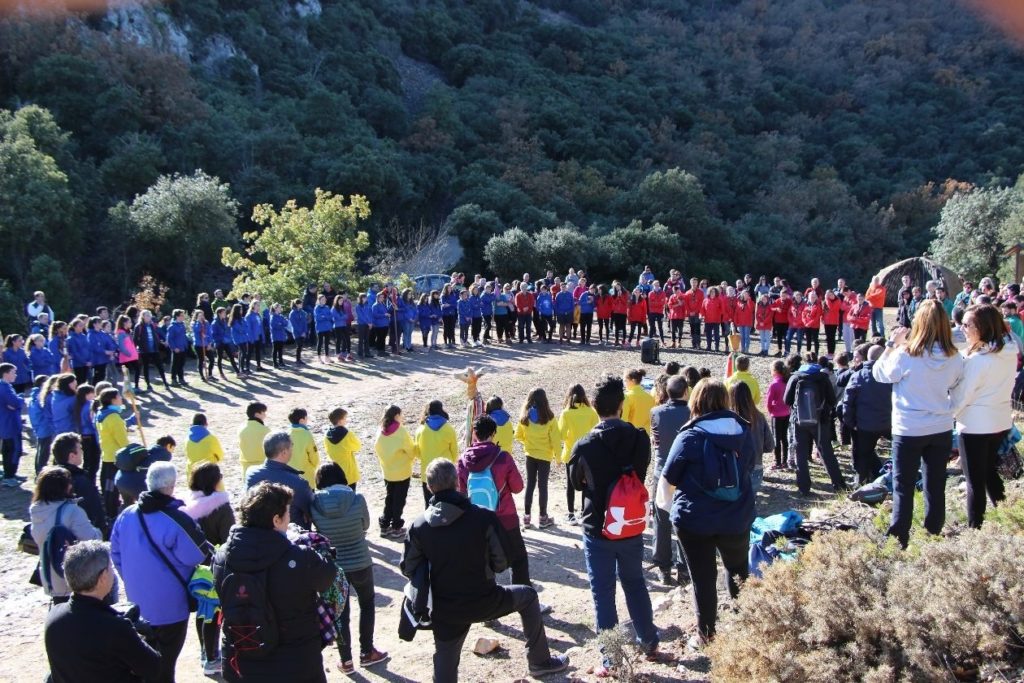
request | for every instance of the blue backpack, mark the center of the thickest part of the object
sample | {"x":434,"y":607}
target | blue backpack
{"x":721,"y":478}
{"x":482,"y":490}
{"x":55,"y":546}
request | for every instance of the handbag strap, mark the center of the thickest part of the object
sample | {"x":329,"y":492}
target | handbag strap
{"x":160,"y":552}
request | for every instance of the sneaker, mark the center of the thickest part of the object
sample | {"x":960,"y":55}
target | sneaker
{"x":695,"y":644}
{"x":546,"y":521}
{"x":213,"y":668}
{"x":385,"y":533}
{"x":527,"y":523}
{"x":347,"y":668}
{"x":10,"y":482}
{"x":571,"y":519}
{"x":554,"y":665}
{"x":398,"y":534}
{"x":667,"y":579}
{"x":545,"y":608}
{"x":373,"y":658}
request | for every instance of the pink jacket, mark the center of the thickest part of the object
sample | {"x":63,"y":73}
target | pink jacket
{"x":775,"y":402}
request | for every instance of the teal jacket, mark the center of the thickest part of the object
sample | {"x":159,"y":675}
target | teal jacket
{"x":340,"y":514}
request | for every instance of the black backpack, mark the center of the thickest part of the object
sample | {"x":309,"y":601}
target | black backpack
{"x":55,"y":546}
{"x":809,"y":402}
{"x":129,"y":458}
{"x":248,"y":621}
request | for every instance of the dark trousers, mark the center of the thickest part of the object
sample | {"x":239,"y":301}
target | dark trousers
{"x":500,"y":325}
{"x":299,"y":343}
{"x":361,"y":581}
{"x":168,"y":641}
{"x":619,"y":321}
{"x":9,"y":448}
{"x":570,"y":493}
{"x":99,"y":373}
{"x":865,"y":459}
{"x":394,"y":504}
{"x":676,"y":325}
{"x":665,"y":552}
{"x":811,"y":337}
{"x":819,"y":435}
{"x":859,"y":336}
{"x":694,"y":330}
{"x":380,"y":338}
{"x":111,"y":496}
{"x":209,"y":638}
{"x":604,"y":329}
{"x":701,"y":553}
{"x":779,"y":331}
{"x":586,"y":327}
{"x":518,"y":560}
{"x":178,"y":365}
{"x":537,"y":472}
{"x":712,"y":333}
{"x":153,"y":359}
{"x":475,"y":328}
{"x":323,"y":343}
{"x":81,"y":374}
{"x":525,"y":332}
{"x":908,"y":455}
{"x":638,"y":328}
{"x":364,"y":340}
{"x":91,"y":455}
{"x":979,"y":455}
{"x":655,"y":321}
{"x":780,"y":428}
{"x":224,"y":350}
{"x":448,"y":654}
{"x":206,"y":355}
{"x":256,"y":353}
{"x":43,"y":452}
{"x":448,"y":331}
{"x":464,"y":333}
{"x":830,"y":338}
{"x":244,"y":357}
{"x":487,"y":327}
{"x":342,"y":340}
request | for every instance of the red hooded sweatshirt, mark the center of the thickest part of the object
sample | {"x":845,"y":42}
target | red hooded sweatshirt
{"x":781,"y":308}
{"x":656,"y":301}
{"x":712,"y":309}
{"x":812,"y":316}
{"x":677,"y":306}
{"x":743,"y":314}
{"x":764,"y":316}
{"x":638,"y":311}
{"x":694,"y":301}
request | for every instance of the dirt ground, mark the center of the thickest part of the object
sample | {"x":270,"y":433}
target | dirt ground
{"x":556,"y":557}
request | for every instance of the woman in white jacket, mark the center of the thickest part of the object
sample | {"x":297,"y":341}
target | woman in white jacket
{"x":981,"y":403}
{"x":922,"y":367}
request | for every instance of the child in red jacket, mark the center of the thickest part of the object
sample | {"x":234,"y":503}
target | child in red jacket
{"x":796,"y":323}
{"x":620,"y":309}
{"x":637,"y":313}
{"x":780,"y":320}
{"x":743,"y":319}
{"x":812,"y":322}
{"x":711,"y":311}
{"x":764,"y":317}
{"x":677,"y":315}
{"x":859,"y":318}
{"x":694,"y":307}
{"x":657,"y":299}
{"x":832,"y":316}
{"x":604,"y":315}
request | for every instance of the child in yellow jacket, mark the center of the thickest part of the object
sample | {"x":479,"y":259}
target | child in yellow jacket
{"x":250,"y":437}
{"x":504,"y":436}
{"x":341,"y":445}
{"x":637,"y":406}
{"x":395,"y":451}
{"x":202,"y":446}
{"x":435,"y":438}
{"x":577,"y":418}
{"x":112,"y":433}
{"x":305,"y":456}
{"x":537,"y":430}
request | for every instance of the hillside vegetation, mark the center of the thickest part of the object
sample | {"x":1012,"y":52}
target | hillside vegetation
{"x":821,"y":133}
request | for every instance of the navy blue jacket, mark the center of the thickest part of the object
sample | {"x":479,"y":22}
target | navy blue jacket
{"x":693,"y":510}
{"x":867,"y":403}
{"x":564,"y":303}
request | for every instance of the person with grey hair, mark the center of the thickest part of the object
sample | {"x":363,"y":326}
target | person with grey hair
{"x":156,"y":548}
{"x":463,"y":546}
{"x":86,"y":640}
{"x":277,"y":447}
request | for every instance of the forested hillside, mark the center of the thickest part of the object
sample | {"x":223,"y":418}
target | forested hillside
{"x":774,"y":136}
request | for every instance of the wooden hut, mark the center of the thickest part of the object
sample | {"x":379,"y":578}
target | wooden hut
{"x":921,"y":269}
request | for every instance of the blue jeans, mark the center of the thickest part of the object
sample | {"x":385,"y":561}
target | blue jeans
{"x":407,"y":326}
{"x":878,"y":322}
{"x":798,"y":333}
{"x":765,"y":337}
{"x":604,"y":560}
{"x":744,"y":339}
{"x":909,"y":453}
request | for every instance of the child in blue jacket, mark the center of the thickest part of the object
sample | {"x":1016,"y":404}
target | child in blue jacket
{"x":545,"y":321}
{"x":220,"y":335}
{"x":342,"y":332}
{"x":177,"y":342}
{"x":255,"y":322}
{"x":410,"y":315}
{"x":41,"y":359}
{"x":16,"y":356}
{"x":104,"y":349}
{"x":381,"y":319}
{"x":41,"y":420}
{"x":565,"y":308}
{"x":79,"y":351}
{"x":278,"y":334}
{"x":202,"y":342}
{"x":323,"y":322}
{"x":11,"y":405}
{"x":240,"y":338}
{"x":364,"y":323}
{"x":476,"y":307}
{"x":424,"y":318}
{"x":449,"y":314}
{"x":300,"y":328}
{"x":465,"y":309}
{"x":487,"y":300}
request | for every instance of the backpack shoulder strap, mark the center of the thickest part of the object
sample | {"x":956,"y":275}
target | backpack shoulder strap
{"x":160,"y":552}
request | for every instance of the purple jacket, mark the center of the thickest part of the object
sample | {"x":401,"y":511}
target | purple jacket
{"x":506,"y":475}
{"x":147,"y":579}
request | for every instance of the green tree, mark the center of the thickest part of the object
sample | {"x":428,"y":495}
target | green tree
{"x":12,"y":310}
{"x":300,"y":245}
{"x":511,"y":254}
{"x":473,"y":226}
{"x":675,"y":198}
{"x":625,"y":251}
{"x":35,"y":201}
{"x":565,"y":247}
{"x":47,"y":274}
{"x":188,"y":219}
{"x":975,"y":230}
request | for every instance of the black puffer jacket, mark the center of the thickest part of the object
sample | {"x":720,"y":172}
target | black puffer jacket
{"x":294,"y":578}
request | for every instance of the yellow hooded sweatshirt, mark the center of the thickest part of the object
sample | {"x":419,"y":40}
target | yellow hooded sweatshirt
{"x":749,"y":380}
{"x":202,"y":446}
{"x":574,"y":423}
{"x":505,"y":434}
{"x":111,"y":431}
{"x":341,"y":446}
{"x":305,"y":456}
{"x":250,"y":444}
{"x":540,"y":441}
{"x":395,"y":450}
{"x":436,"y":438}
{"x":636,"y":409}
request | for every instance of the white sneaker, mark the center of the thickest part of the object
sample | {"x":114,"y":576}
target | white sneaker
{"x":214,"y":668}
{"x":545,"y":608}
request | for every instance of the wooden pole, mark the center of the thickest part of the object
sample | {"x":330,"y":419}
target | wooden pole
{"x":129,"y":394}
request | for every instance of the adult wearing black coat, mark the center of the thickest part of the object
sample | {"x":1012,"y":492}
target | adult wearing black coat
{"x":867,"y":410}
{"x":67,"y":452}
{"x":294,"y":577}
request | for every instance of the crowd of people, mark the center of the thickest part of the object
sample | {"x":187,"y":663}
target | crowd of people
{"x":272,"y":588}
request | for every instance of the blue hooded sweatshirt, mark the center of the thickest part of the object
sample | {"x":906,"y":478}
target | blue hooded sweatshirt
{"x":43,"y":362}
{"x":339,"y":318}
{"x":62,"y":411}
{"x":11,"y":405}
{"x":587,"y":303}
{"x":85,"y":421}
{"x":278,"y":328}
{"x":177,"y":340}
{"x":201,"y":334}
{"x":564,"y":303}
{"x":487,"y":304}
{"x":19,"y":359}
{"x":465,"y":308}
{"x":255,"y":324}
{"x":423,"y":312}
{"x":78,"y":348}
{"x":435,"y":422}
{"x":239,"y":332}
{"x":39,"y":416}
{"x":219,"y":333}
{"x":100,"y":342}
{"x":544,"y":304}
{"x":476,"y":305}
{"x":323,"y":319}
{"x":381,"y":317}
{"x":197,"y":433}
{"x":364,"y":314}
{"x":501,"y":417}
{"x":300,"y":324}
{"x":449,"y":305}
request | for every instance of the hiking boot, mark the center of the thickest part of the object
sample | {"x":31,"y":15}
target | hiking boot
{"x":373,"y":658}
{"x":555,"y":664}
